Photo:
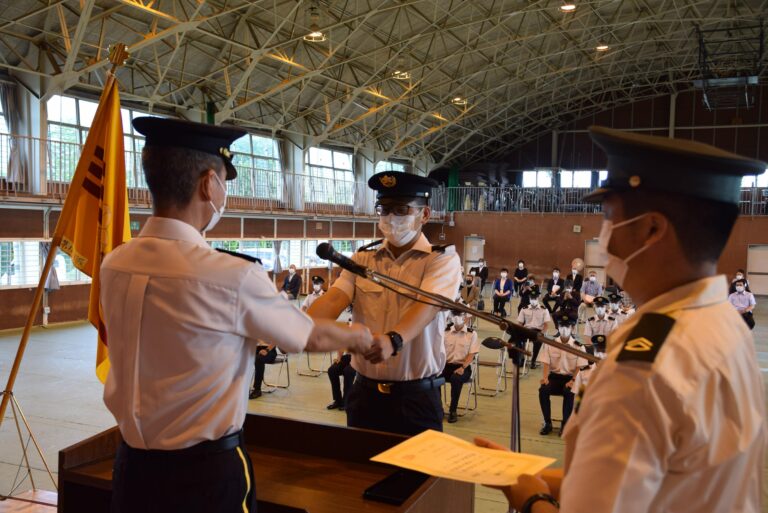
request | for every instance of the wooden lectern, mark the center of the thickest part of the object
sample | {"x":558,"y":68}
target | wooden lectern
{"x":299,"y":467}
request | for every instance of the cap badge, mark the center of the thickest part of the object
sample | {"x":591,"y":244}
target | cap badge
{"x":225,"y":153}
{"x":634,"y":181}
{"x":388,"y":181}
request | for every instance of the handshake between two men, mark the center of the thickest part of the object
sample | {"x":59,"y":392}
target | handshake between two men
{"x":356,"y":338}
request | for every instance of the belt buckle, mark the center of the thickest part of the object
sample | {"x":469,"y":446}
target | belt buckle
{"x":384,"y":388}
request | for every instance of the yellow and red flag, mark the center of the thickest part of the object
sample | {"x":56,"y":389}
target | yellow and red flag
{"x":94,"y":219}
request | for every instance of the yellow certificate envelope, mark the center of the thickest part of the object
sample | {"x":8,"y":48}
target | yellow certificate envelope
{"x":441,"y":455}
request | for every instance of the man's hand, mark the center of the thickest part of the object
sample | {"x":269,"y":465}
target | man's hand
{"x":361,"y":338}
{"x":459,"y":371}
{"x":544,"y":381}
{"x":380,"y":350}
{"x":569,"y":385}
{"x":526,"y":486}
{"x":263,"y":352}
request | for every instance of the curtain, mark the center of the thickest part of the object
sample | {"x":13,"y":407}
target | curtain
{"x":52,"y":281}
{"x":17,"y":167}
{"x":277,"y":268}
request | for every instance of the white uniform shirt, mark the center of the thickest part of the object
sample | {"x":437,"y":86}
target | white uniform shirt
{"x":619,"y":316}
{"x":381,"y":309}
{"x":534,"y":317}
{"x":597,"y":326}
{"x":460,"y":344}
{"x":559,"y":361}
{"x":683,"y":434}
{"x":311,"y":299}
{"x":181,"y":321}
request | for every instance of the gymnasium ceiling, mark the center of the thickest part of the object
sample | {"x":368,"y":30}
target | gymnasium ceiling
{"x":523,"y":67}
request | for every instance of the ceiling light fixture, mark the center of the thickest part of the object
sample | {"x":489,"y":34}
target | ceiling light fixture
{"x":601,"y":48}
{"x":315,"y":34}
{"x":459,"y":100}
{"x":401,"y":72}
{"x":568,"y":7}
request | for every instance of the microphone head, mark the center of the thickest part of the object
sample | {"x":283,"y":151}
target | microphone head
{"x":493,"y":343}
{"x":324,"y":251}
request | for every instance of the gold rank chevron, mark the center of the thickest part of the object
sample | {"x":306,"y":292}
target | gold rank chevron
{"x":638,"y":344}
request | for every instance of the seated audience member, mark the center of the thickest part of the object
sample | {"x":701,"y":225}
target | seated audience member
{"x":525,"y":292}
{"x":576,"y":279}
{"x":264,"y":354}
{"x":502,"y":291}
{"x":740,"y":275}
{"x":589,"y":291}
{"x":597,"y":348}
{"x":569,"y":303}
{"x":461,"y":346}
{"x":536,"y":317}
{"x":614,"y":303}
{"x":481,"y":272}
{"x":292,"y":283}
{"x":744,"y":302}
{"x":317,"y":291}
{"x":554,"y":289}
{"x":341,"y":367}
{"x":559,"y":369}
{"x":601,"y":323}
{"x":469,"y":291}
{"x":520,"y":277}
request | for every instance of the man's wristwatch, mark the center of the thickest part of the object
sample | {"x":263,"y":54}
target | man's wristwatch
{"x":528,"y":504}
{"x":397,"y":342}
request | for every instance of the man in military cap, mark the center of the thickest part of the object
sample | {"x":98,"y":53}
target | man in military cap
{"x":182,"y":321}
{"x":461,"y":346}
{"x":397,"y":388}
{"x":614,"y":304}
{"x":559,"y":370}
{"x":317,"y":291}
{"x":601,"y":323}
{"x":680,"y":391}
{"x":534,"y":316}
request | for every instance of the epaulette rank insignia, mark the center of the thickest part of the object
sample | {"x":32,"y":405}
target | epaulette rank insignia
{"x":646,"y":338}
{"x":440,"y":248}
{"x":240,"y":255}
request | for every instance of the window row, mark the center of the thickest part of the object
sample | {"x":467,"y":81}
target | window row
{"x":21,"y":263}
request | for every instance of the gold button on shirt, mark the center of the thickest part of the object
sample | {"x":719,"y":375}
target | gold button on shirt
{"x":182,"y":320}
{"x":683,"y":433}
{"x":380,"y":309}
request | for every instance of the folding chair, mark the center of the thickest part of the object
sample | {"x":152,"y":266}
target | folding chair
{"x":471,"y":391}
{"x":284,"y":365}
{"x":501,"y":374}
{"x":311,"y":371}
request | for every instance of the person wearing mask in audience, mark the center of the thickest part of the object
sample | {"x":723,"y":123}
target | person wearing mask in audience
{"x":674,"y":418}
{"x":597,"y":348}
{"x":601,"y":323}
{"x":536,"y":317}
{"x":559,"y":370}
{"x":461,"y":346}
{"x":525,"y":292}
{"x":575,"y":278}
{"x":317,"y":291}
{"x":292,"y":283}
{"x":520,"y":277}
{"x":614,"y":305}
{"x":481,"y":271}
{"x":740,"y":275}
{"x":470,"y":291}
{"x":569,"y":303}
{"x":502,"y":291}
{"x":554,"y":287}
{"x":589,"y":291}
{"x":744,"y":302}
{"x":398,"y":383}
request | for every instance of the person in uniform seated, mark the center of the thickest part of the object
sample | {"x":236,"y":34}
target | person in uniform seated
{"x":461,"y":346}
{"x":292,"y":283}
{"x":589,"y":291}
{"x":265,"y":354}
{"x":502,"y":292}
{"x":182,"y":321}
{"x":398,"y":382}
{"x":317,"y":291}
{"x":341,"y":367}
{"x":554,"y":287}
{"x":597,"y":348}
{"x":740,"y":276}
{"x":744,"y":302}
{"x":601,"y":323}
{"x":536,"y":317}
{"x":569,"y":303}
{"x":615,"y":310}
{"x":675,"y":418}
{"x":525,"y":292}
{"x":559,"y":369}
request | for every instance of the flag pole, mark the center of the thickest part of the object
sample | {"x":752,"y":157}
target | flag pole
{"x":117,"y":56}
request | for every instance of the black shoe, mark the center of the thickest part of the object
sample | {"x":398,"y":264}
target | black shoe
{"x":334,"y":405}
{"x":255,"y":394}
{"x":534,"y":366}
{"x":342,"y":407}
{"x":452,"y":417}
{"x":546,"y":429}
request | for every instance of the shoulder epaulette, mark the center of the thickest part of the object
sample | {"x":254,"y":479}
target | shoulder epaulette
{"x":611,"y":318}
{"x":586,"y":366}
{"x":440,"y":248}
{"x":370,"y":246}
{"x":240,"y":255}
{"x":646,"y":338}
{"x":591,"y":318}
{"x":448,"y":326}
{"x":470,"y":330}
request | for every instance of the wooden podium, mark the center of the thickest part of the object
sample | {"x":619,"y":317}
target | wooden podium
{"x":299,"y":467}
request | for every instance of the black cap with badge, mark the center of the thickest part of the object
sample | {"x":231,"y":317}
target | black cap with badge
{"x":389,"y":184}
{"x":614,"y":298}
{"x":600,"y":301}
{"x":194,"y":136}
{"x":688,"y":168}
{"x":318,"y":280}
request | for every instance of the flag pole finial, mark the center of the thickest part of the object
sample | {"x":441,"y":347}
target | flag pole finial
{"x":118,"y":54}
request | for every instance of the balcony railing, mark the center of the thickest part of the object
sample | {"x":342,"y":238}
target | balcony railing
{"x":754,"y":200}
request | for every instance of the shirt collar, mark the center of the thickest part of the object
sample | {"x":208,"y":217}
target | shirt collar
{"x":171,"y":229}
{"x":422,"y":244}
{"x":696,"y":294}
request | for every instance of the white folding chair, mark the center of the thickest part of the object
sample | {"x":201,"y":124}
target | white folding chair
{"x":501,"y":374}
{"x":311,"y":371}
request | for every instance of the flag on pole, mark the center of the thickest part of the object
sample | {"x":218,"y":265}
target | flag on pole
{"x":94,"y":219}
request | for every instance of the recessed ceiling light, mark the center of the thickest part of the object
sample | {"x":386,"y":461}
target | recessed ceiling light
{"x":568,"y":7}
{"x":601,"y":48}
{"x":459,"y":100}
{"x":315,"y":35}
{"x":401,"y":75}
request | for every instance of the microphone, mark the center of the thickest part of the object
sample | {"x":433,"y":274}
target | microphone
{"x":326,"y":252}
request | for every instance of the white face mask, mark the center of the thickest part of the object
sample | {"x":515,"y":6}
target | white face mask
{"x":600,"y":311}
{"x":592,"y":279}
{"x":739,"y":276}
{"x":520,"y":266}
{"x":615,"y":267}
{"x":575,"y":271}
{"x":217,"y":212}
{"x":565,"y":332}
{"x":291,"y":271}
{"x":739,"y":289}
{"x":534,"y":302}
{"x":555,"y":275}
{"x":503,"y":275}
{"x":317,"y":287}
{"x":399,"y":230}
{"x":472,"y":273}
{"x":615,"y":307}
{"x":458,"y":322}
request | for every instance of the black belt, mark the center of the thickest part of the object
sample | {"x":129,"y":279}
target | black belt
{"x":225,"y":443}
{"x":401,"y":387}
